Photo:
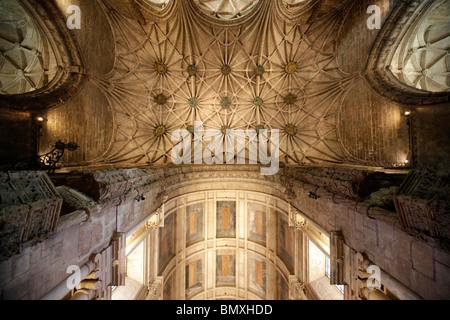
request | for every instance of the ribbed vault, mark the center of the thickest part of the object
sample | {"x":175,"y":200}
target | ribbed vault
{"x":421,"y":60}
{"x":269,"y":72}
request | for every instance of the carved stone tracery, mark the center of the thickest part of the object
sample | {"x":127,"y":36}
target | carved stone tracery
{"x":155,"y":289}
{"x":29,"y":210}
{"x":423,"y":205}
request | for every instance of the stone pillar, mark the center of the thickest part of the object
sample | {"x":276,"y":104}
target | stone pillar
{"x":109,"y":271}
{"x":297,"y":290}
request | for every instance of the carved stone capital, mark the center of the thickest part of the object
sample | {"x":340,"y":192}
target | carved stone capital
{"x":301,"y":288}
{"x":422,"y":203}
{"x":156,"y":220}
{"x":300,"y":222}
{"x":154,"y":289}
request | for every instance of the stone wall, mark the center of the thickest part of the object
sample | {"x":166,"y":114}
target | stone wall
{"x":422,"y":266}
{"x":42,"y":266}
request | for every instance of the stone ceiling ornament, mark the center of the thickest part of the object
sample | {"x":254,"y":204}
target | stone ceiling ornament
{"x":260,"y":70}
{"x":259,"y":128}
{"x":192,"y":70}
{"x":191,"y":129}
{"x":225,"y":129}
{"x":161,"y":99}
{"x":258,"y":101}
{"x":291,"y":130}
{"x":193,"y":102}
{"x":226,"y":70}
{"x":225,"y":103}
{"x":290,"y":99}
{"x":160,"y":131}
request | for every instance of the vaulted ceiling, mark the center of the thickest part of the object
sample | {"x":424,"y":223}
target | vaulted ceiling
{"x":231,"y":65}
{"x":155,"y":66}
{"x":27,"y":62}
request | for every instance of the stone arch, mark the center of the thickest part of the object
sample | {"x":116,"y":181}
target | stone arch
{"x":221,"y":260}
{"x":61,"y":66}
{"x":390,"y":52}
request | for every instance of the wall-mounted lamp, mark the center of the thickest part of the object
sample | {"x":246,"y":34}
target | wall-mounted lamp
{"x":408,"y":116}
{"x":40,"y":130}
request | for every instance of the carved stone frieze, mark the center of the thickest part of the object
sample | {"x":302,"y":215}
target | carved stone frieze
{"x":74,"y":200}
{"x":351,"y":184}
{"x":423,"y":205}
{"x":120,"y":184}
{"x":29,"y":209}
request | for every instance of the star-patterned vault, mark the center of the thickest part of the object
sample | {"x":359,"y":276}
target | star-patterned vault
{"x":266,"y":73}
